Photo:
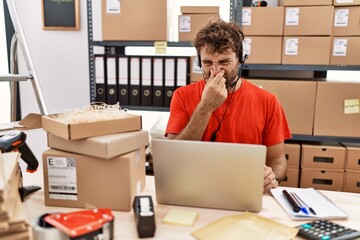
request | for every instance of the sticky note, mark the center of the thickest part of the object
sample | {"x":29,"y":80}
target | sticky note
{"x":180,"y":217}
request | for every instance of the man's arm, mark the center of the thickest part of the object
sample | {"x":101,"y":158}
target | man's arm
{"x":213,"y":95}
{"x":276,"y":166}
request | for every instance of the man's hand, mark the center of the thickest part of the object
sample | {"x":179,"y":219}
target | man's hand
{"x":269,"y":179}
{"x":214,"y":93}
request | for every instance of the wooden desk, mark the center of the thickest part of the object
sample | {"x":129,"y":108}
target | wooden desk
{"x":125,"y":224}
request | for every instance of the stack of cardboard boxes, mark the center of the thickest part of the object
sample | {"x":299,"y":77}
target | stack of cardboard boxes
{"x":352,"y":167}
{"x":96,"y":164}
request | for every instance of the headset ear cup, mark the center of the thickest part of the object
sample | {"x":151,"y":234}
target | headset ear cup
{"x":199,"y":60}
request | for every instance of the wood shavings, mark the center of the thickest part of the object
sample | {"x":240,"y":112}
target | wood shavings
{"x":92,"y":113}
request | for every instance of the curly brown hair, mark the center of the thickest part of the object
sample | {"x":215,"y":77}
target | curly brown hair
{"x":219,"y":36}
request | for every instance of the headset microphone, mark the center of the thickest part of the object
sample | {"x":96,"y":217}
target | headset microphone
{"x":233,"y":84}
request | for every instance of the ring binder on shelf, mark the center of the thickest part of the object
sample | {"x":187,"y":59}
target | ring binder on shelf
{"x":169,"y":87}
{"x":112,"y":84}
{"x":134,"y":81}
{"x":158,"y":81}
{"x":100,"y":78}
{"x":145,"y":76}
{"x":123,"y":66}
{"x":182,"y":75}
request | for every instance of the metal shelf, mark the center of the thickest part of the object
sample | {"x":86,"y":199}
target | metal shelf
{"x":138,"y":44}
{"x":299,"y":67}
{"x":324,"y":139}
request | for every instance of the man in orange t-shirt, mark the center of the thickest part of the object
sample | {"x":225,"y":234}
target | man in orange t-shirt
{"x":224,"y":107}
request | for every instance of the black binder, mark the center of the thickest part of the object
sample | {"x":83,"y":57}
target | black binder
{"x":112,"y":84}
{"x":182,"y":71}
{"x":145,"y":76}
{"x":169,"y":86}
{"x":100,"y":78}
{"x":135,"y":81}
{"x":158,"y":81}
{"x":123,"y":70}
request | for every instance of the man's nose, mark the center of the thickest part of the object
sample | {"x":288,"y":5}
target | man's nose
{"x":216,"y":68}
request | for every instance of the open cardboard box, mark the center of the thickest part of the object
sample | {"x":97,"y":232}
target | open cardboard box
{"x":30,"y":121}
{"x":71,"y":131}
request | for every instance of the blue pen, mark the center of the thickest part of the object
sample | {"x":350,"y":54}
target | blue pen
{"x":310,"y":208}
{"x":302,"y":208}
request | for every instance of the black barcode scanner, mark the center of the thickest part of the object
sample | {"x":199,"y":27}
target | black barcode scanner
{"x":16,"y":141}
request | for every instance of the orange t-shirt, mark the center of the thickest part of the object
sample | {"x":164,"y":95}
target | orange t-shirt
{"x":254,"y":115}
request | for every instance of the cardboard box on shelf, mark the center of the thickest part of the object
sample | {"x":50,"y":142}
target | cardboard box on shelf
{"x":348,"y":2}
{"x":73,"y":180}
{"x":75,"y":131}
{"x":263,"y":21}
{"x":259,"y":51}
{"x":352,"y":181}
{"x":323,"y":155}
{"x":337,"y":111}
{"x":195,"y":71}
{"x":134,"y":20}
{"x":352,"y":162}
{"x":105,"y":146}
{"x":308,"y":21}
{"x":299,"y":106}
{"x":306,"y":50}
{"x":306,"y":2}
{"x":322,"y":179}
{"x":292,"y":154}
{"x":292,"y":177}
{"x":345,"y":51}
{"x":346,"y":21}
{"x":193,"y":18}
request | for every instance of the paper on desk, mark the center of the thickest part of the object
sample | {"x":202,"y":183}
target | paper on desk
{"x":323,"y":206}
{"x":245,"y":226}
{"x":180,"y":217}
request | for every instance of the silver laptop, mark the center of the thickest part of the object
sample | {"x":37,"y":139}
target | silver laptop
{"x":209,"y":174}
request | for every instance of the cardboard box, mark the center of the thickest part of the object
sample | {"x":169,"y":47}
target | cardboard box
{"x":322,"y":179}
{"x":345,"y":51}
{"x":352,"y":161}
{"x":307,"y":2}
{"x":337,"y":111}
{"x":193,"y":18}
{"x":195,"y":71}
{"x":352,"y":182}
{"x":263,"y":21}
{"x":292,"y":178}
{"x":90,"y":129}
{"x":306,"y":50}
{"x":73,"y":180}
{"x":348,"y":2}
{"x":323,"y":156}
{"x":259,"y":51}
{"x":305,"y":21}
{"x":105,"y":146}
{"x":346,"y":21}
{"x":29,"y":122}
{"x":297,"y":99}
{"x":134,"y":20}
{"x":292,"y":154}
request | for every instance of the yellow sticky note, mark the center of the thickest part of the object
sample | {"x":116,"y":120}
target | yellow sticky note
{"x":351,"y":106}
{"x":160,"y":47}
{"x":180,"y":217}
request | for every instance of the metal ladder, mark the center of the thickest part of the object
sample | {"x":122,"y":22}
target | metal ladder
{"x":13,"y":77}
